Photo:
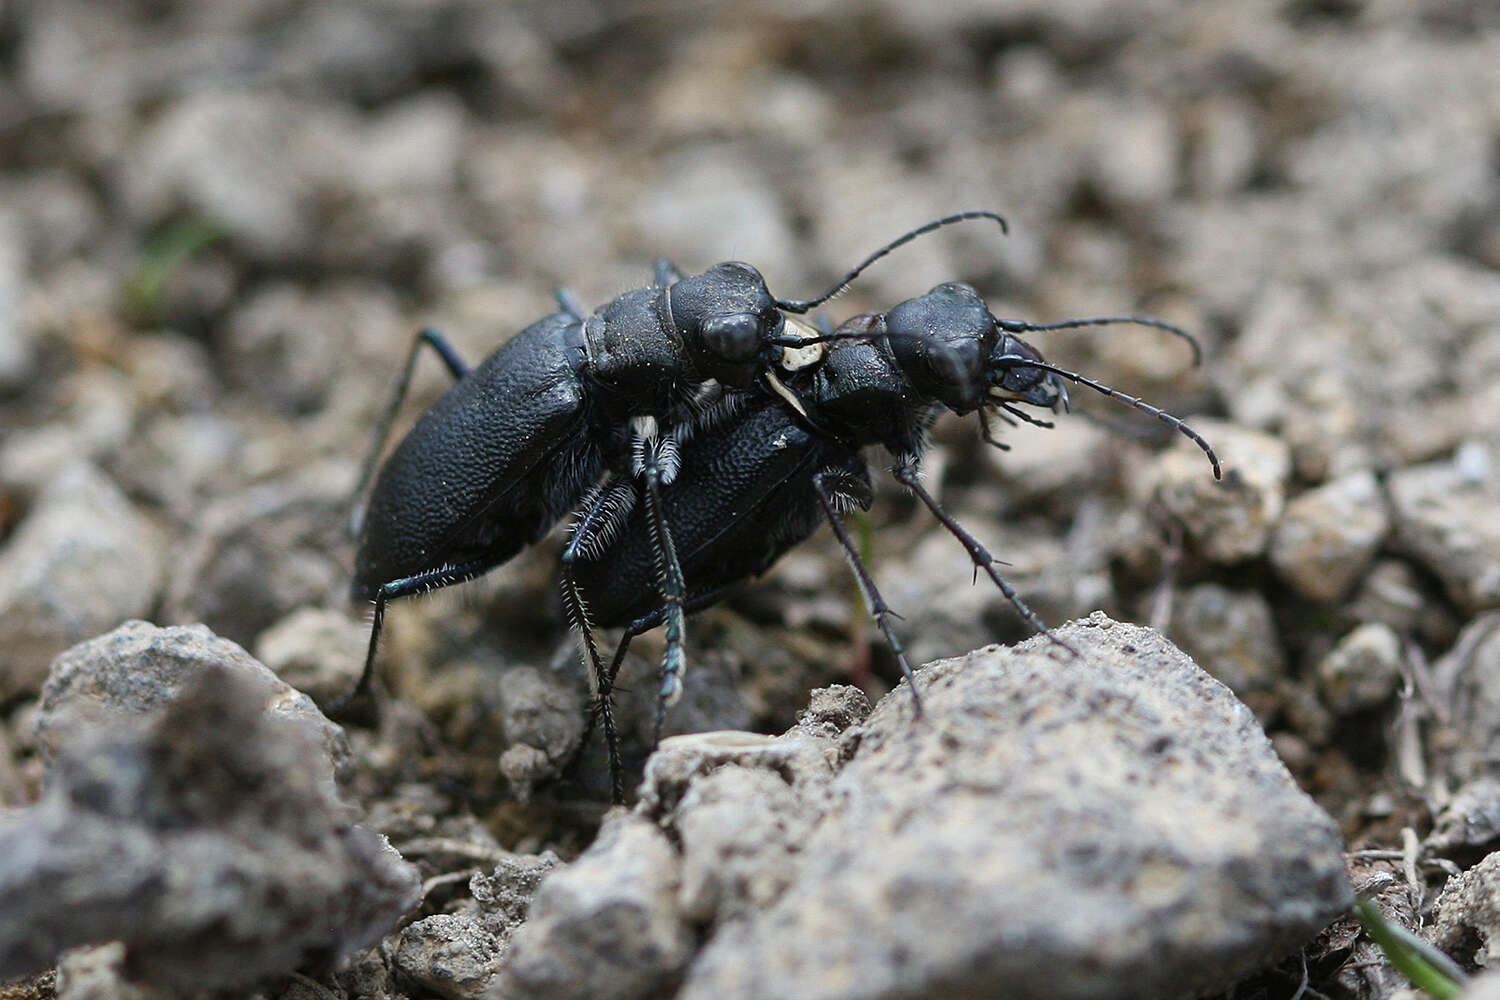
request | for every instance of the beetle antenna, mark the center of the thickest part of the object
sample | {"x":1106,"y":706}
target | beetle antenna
{"x":803,"y":305}
{"x":1017,"y":361}
{"x":1021,"y":326}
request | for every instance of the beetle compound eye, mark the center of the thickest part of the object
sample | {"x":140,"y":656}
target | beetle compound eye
{"x":948,"y":367}
{"x":951,"y":372}
{"x":735,"y":337}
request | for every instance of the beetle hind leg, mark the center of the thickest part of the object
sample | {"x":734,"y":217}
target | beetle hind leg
{"x":421,"y":583}
{"x":457,"y":367}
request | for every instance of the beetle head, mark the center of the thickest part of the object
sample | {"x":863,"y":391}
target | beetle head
{"x":727,"y":318}
{"x":942,"y":342}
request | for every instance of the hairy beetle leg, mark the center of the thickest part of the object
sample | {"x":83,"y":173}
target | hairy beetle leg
{"x":592,"y":528}
{"x":673,"y":593}
{"x":603,"y":705}
{"x":419,"y":584}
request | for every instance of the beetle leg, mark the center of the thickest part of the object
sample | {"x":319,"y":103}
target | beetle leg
{"x":420,"y":584}
{"x":1025,"y":417}
{"x":569,"y":302}
{"x":604,"y":707}
{"x":673,"y":590}
{"x":603,"y":704}
{"x":987,"y":430}
{"x":881,"y":611}
{"x":654,"y":459}
{"x":434,"y":339}
{"x":598,"y":522}
{"x":597,"y":525}
{"x":664,"y":272}
{"x":907,"y":474}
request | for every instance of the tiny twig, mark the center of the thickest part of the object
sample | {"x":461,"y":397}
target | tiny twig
{"x":447,"y":878}
{"x":457,"y":848}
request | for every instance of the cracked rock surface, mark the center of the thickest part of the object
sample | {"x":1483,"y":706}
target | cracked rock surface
{"x":1114,"y":824}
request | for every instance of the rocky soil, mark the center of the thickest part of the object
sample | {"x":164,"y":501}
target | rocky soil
{"x":220,"y":225}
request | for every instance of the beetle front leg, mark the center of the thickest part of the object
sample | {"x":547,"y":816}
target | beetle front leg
{"x":604,"y":510}
{"x":640,"y":626}
{"x":980,"y":556}
{"x":879,"y":610}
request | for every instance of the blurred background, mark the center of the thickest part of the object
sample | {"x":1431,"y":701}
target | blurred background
{"x":221,"y":222}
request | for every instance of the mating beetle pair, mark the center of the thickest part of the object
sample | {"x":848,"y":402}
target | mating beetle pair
{"x":709,"y":432}
{"x":518,"y":439}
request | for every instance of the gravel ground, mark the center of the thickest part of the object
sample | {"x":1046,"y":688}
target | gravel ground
{"x":222,"y":222}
